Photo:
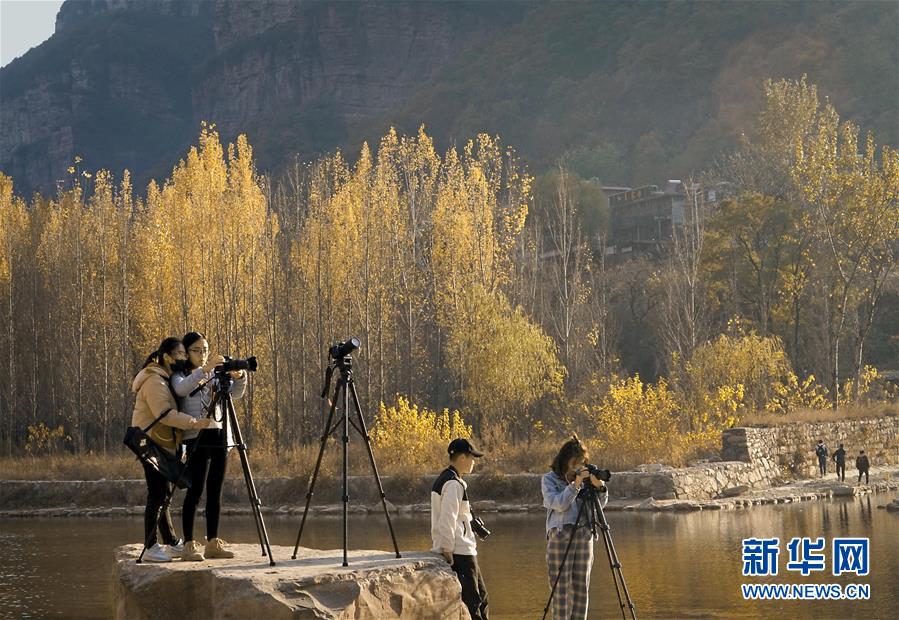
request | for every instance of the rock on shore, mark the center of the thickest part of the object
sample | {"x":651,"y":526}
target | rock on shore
{"x":376,"y":585}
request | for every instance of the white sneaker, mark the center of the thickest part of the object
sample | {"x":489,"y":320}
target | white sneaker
{"x":176,"y":550}
{"x":157,"y":553}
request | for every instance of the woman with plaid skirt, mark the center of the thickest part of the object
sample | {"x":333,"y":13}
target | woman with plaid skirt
{"x":560,"y":489}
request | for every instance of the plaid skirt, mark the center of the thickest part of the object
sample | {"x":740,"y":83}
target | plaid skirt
{"x":571,"y":599}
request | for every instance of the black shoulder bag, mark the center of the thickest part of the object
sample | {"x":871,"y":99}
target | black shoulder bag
{"x":148,"y":451}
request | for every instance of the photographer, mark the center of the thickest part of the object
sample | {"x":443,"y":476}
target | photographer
{"x":451,"y":528}
{"x":208,"y":449}
{"x":154,"y":400}
{"x":560,"y":488}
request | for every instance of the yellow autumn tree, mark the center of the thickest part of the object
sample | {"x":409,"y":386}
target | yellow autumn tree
{"x":14,"y":230}
{"x":850,"y":192}
{"x":207,"y":237}
{"x":505,"y":362}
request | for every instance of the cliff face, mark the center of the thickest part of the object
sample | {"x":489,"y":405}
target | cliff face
{"x":632,"y":92}
{"x":125,"y":83}
{"x":112,"y":86}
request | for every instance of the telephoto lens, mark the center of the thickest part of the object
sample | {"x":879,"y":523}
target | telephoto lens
{"x":603,"y":474}
{"x":238,"y":364}
{"x":342,"y":349}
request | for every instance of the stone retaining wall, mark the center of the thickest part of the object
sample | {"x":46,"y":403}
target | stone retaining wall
{"x":703,"y":481}
{"x":759,"y":457}
{"x":791,"y":447}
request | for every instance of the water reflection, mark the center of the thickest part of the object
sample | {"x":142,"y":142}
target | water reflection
{"x":865,"y":507}
{"x":844,"y":517}
{"x":676,"y":566}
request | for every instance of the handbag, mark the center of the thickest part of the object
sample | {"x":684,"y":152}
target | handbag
{"x":152,"y":454}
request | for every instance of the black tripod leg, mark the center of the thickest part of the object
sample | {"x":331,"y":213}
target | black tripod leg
{"x":614,"y":563}
{"x":346,"y":463}
{"x":226,"y":421}
{"x":374,"y":467}
{"x":552,"y":592}
{"x":326,"y":432}
{"x":256,"y":516}
{"x":255,"y":503}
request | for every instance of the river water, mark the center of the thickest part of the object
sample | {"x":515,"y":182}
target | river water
{"x":676,"y":565}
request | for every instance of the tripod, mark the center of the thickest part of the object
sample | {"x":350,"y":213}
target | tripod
{"x":345,"y":385}
{"x":222,"y":397}
{"x":596,"y":519}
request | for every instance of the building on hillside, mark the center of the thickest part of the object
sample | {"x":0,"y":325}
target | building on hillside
{"x":643,"y":219}
{"x":610,"y":190}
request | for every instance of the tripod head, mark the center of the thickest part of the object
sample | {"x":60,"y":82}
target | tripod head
{"x":345,"y":365}
{"x":223,"y":382}
{"x":589,"y":492}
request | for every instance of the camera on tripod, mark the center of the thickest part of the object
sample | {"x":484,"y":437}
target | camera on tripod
{"x":342,"y":349}
{"x":603,"y":474}
{"x":345,"y":394}
{"x":232,"y":364}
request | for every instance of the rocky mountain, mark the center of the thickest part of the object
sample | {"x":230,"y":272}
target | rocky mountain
{"x":126,"y":83}
{"x":631,"y":92}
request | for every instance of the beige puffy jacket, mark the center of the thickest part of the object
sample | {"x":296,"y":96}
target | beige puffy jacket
{"x":153,"y":398}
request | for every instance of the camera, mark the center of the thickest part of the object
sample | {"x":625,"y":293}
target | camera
{"x":477,"y":525}
{"x":603,"y":474}
{"x":342,"y":349}
{"x":237,"y":364}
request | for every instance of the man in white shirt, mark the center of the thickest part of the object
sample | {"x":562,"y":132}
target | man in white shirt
{"x":451,"y":531}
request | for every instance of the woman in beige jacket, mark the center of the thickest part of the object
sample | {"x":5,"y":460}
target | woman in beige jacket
{"x":154,"y":400}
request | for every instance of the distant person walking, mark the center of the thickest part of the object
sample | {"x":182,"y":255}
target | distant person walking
{"x":821,"y":451}
{"x":862,"y":465}
{"x":839,"y":457}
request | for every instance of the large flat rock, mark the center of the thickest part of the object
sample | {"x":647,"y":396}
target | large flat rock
{"x":375,"y":585}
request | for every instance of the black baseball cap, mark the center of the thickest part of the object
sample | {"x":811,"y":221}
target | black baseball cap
{"x":463,"y":446}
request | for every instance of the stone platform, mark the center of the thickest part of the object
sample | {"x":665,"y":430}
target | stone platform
{"x":375,"y":585}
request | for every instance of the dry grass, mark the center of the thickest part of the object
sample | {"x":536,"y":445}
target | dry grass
{"x":523,"y":458}
{"x":294,"y":462}
{"x":119,"y":466}
{"x":853,"y":411}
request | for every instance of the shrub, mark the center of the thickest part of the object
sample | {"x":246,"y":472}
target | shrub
{"x":756,"y":363}
{"x":407,"y":435}
{"x":640,"y":420}
{"x":791,"y":394}
{"x":44,"y":440}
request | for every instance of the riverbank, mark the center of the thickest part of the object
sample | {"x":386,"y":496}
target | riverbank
{"x":513,"y":494}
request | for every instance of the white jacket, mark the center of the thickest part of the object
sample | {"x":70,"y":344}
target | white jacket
{"x":451,"y":515}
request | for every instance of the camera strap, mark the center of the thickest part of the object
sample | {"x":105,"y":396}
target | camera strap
{"x":455,"y":476}
{"x":164,"y":413}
